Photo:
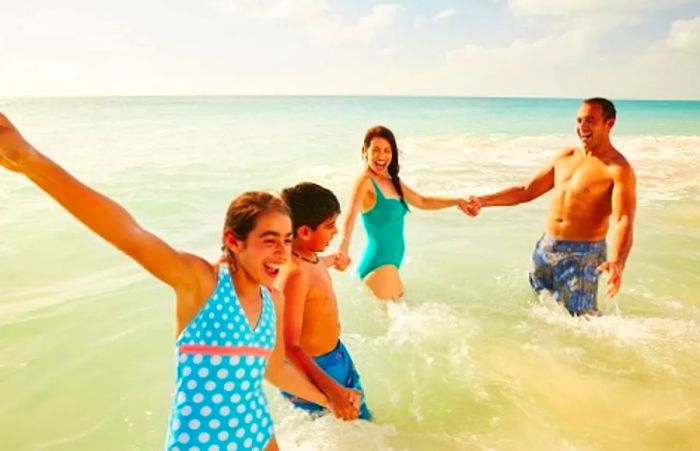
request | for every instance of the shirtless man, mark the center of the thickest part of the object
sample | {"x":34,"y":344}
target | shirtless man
{"x":592,"y":185}
{"x":311,"y":323}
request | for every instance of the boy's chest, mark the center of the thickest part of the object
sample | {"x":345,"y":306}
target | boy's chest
{"x":321,"y":297}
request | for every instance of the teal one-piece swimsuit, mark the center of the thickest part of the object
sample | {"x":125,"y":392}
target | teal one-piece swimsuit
{"x":384,"y":227}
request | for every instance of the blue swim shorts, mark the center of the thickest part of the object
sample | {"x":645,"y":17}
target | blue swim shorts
{"x":568,"y":269}
{"x":338,"y":365}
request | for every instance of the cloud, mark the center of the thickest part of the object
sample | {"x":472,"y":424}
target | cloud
{"x":588,"y":7}
{"x":600,"y":14}
{"x":521,"y":67}
{"x":444,"y":14}
{"x":380,"y":17}
{"x":685,"y":34}
{"x":670,"y":65}
{"x":314,"y":16}
{"x":570,"y":64}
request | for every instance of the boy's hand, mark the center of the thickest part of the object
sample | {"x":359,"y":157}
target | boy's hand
{"x":13,"y":147}
{"x":344,"y":403}
{"x":342,"y":261}
{"x":336,"y":260}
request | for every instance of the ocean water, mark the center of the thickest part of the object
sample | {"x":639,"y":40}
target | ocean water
{"x":471,"y":361}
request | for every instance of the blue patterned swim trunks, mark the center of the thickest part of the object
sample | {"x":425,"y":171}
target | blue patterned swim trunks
{"x":339,"y":365}
{"x":568,"y":269}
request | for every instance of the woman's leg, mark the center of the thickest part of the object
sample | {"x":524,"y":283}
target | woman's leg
{"x":385,"y":283}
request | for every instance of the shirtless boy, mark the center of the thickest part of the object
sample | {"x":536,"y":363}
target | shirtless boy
{"x":311,"y":322}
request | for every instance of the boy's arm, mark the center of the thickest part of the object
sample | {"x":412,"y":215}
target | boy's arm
{"x":342,"y":401}
{"x":329,"y":260}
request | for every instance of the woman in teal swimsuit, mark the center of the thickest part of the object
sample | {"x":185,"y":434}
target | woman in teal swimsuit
{"x":383,"y":199}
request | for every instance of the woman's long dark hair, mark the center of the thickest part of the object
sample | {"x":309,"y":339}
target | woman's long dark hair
{"x":379,"y":131}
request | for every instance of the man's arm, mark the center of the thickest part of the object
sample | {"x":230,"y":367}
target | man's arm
{"x":624,"y":205}
{"x":542,"y":182}
{"x":344,"y":402}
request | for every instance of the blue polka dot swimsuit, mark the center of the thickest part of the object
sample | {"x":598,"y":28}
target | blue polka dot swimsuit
{"x":219,"y":403}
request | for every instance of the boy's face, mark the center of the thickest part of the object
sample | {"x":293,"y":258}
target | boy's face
{"x":323,"y":235}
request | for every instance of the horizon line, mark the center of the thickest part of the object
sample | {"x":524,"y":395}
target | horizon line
{"x":431,"y":96}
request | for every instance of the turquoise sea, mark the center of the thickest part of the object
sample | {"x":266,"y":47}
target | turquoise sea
{"x":471,"y":361}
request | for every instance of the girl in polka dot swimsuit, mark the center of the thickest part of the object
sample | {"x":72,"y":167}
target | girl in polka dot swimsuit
{"x":226,"y":319}
{"x":219,"y":402}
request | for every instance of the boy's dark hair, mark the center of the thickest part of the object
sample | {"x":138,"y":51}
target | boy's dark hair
{"x":607,"y":106}
{"x":310,"y":204}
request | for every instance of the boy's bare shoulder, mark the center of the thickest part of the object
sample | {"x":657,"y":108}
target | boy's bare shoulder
{"x":301,"y":270}
{"x":316,"y":274}
{"x":290,"y":267}
{"x":288,"y":270}
{"x":277,"y":297}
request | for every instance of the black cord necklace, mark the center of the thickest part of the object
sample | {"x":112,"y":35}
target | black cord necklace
{"x":313,"y":262}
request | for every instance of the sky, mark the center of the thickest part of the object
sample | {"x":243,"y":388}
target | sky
{"x":640,"y":49}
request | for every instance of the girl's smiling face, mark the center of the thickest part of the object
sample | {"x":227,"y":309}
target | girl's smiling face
{"x":266,"y":247}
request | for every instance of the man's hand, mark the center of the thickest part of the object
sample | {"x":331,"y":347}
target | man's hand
{"x":344,"y":403}
{"x":470,"y":206}
{"x":614,"y":269}
{"x":13,"y":147}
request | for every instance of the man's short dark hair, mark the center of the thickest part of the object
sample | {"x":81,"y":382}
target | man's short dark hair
{"x":310,"y":204}
{"x":607,"y":106}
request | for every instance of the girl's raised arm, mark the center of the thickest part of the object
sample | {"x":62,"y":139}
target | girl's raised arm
{"x":99,"y":213}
